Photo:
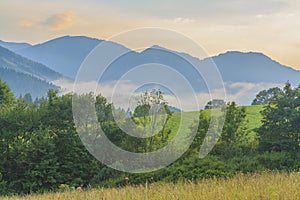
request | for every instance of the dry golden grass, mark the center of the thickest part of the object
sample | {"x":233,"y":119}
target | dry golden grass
{"x":258,"y":186}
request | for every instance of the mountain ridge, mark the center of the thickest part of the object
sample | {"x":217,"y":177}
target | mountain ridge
{"x":26,"y":76}
{"x":254,"y":67}
{"x":54,"y":53}
{"x":66,"y":54}
{"x":14,"y":46}
{"x":83,"y":45}
{"x":254,"y":52}
{"x":17,"y":62}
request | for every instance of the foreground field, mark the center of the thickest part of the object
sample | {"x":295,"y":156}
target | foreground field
{"x":258,"y":186}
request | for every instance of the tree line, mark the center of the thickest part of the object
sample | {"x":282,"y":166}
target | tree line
{"x":40,"y":148}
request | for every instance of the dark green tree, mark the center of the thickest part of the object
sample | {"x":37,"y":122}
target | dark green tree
{"x":265,"y":96}
{"x":233,"y":133}
{"x":6,"y":95}
{"x":103,"y":109}
{"x":280,"y":130}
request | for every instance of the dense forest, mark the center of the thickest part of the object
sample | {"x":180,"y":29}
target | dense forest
{"x":40,"y":148}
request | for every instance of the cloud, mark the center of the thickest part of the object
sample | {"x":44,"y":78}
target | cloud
{"x":126,"y":96}
{"x":122,"y":97}
{"x":180,"y":20}
{"x":60,"y":21}
{"x":25,"y":23}
{"x":243,"y":93}
{"x":259,"y":16}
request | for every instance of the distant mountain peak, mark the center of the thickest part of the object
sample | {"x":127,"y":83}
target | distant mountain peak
{"x":250,"y":56}
{"x":64,"y":54}
{"x":69,"y":38}
{"x":156,"y":46}
{"x":75,"y":37}
{"x":241,"y":53}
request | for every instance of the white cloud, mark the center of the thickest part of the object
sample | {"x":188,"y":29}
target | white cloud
{"x":126,"y":97}
{"x":180,"y":20}
{"x":246,"y":92}
{"x":260,"y":16}
{"x":123,"y":96}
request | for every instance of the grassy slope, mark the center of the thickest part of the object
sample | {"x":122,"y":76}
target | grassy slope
{"x":253,"y":116}
{"x":253,"y":119}
{"x":180,"y":123}
{"x":255,"y":186}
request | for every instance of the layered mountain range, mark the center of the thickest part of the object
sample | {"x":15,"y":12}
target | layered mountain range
{"x":33,"y":68}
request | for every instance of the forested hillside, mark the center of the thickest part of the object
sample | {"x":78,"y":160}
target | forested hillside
{"x":25,"y":76}
{"x":22,"y":83}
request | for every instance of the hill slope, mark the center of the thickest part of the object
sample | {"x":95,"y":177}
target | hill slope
{"x":10,"y":60}
{"x":253,"y":119}
{"x":25,"y":76}
{"x":21,"y":83}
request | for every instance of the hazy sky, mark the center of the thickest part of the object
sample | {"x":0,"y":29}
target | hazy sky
{"x":268,"y":26}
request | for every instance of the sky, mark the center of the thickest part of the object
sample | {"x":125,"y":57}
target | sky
{"x":268,"y":26}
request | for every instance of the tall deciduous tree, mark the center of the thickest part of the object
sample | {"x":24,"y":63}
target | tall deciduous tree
{"x":280,"y":130}
{"x":265,"y":96}
{"x":152,"y":113}
{"x":233,"y":133}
